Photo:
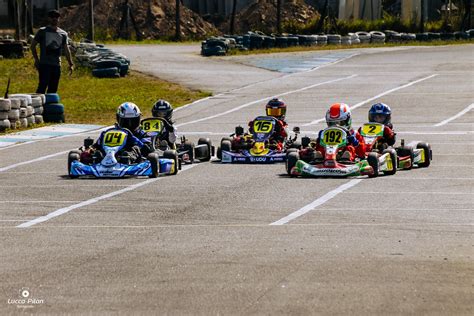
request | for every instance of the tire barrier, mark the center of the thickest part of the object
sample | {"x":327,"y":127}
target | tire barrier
{"x":24,"y":110}
{"x":218,"y":46}
{"x":101,"y":60}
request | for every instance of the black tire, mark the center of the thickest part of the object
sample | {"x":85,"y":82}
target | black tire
{"x":406,"y":151}
{"x":226,"y":145}
{"x":154,"y":161}
{"x":189,"y":147}
{"x":206,"y":141}
{"x":219,"y":153}
{"x":373,"y":161}
{"x":393,"y":157}
{"x":291,"y":160}
{"x":171,"y":154}
{"x":73,"y":155}
{"x":291,"y":150}
{"x":296,"y":144}
{"x":428,"y":154}
{"x":226,"y":138}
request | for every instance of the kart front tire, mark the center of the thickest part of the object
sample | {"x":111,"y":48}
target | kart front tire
{"x":428,"y":155}
{"x":393,"y":157}
{"x":373,"y":161}
{"x":189,"y":147}
{"x":171,"y":154}
{"x":73,"y":155}
{"x":206,"y":141}
{"x":407,"y":151}
{"x":291,"y":160}
{"x":154,"y":161}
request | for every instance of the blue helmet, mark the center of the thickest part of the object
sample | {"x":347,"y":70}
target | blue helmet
{"x":380,"y":113}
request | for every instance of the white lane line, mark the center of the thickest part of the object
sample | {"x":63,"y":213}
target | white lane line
{"x":39,"y":201}
{"x":67,"y":209}
{"x":467,"y":109}
{"x":58,"y":137}
{"x":311,"y":206}
{"x":390,"y":224}
{"x":31,"y":161}
{"x":410,"y":192}
{"x":263,"y":81}
{"x":264,"y":99}
{"x":377,"y":96}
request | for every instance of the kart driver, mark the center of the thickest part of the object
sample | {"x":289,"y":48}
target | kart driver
{"x":338,"y":114}
{"x":128,"y":118}
{"x":275,"y":108}
{"x":164,"y":110}
{"x":382,"y":114}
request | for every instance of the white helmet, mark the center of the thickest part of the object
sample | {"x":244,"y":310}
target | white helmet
{"x":339,"y":114}
{"x":128,"y":116}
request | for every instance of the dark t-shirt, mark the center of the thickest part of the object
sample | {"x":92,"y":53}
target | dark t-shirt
{"x":51,"y":43}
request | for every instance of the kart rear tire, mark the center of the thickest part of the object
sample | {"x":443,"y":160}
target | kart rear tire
{"x":373,"y":161}
{"x":219,"y":153}
{"x":291,"y":159}
{"x":74,"y":155}
{"x":393,"y":157}
{"x":189,"y":147}
{"x":428,"y":154}
{"x":171,"y":154}
{"x":206,"y":141}
{"x":154,"y":161}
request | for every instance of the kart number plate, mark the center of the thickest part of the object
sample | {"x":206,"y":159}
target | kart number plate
{"x":152,"y":125}
{"x":114,"y":138}
{"x":260,"y":126}
{"x":372,"y":130}
{"x":333,"y":137}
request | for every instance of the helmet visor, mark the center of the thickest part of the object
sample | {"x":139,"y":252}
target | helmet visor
{"x":275,"y":112}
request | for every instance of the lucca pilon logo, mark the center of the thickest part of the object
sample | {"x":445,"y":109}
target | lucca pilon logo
{"x":25,"y":299}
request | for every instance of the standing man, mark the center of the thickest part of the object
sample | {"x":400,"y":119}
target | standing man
{"x":52,"y":41}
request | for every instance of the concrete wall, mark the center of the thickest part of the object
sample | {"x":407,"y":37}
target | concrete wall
{"x":360,"y":9}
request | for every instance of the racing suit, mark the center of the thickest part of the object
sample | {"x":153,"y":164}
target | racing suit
{"x":169,"y":134}
{"x":355,"y":147}
{"x":137,"y":146}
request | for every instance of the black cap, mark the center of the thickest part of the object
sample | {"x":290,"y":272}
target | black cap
{"x":54,"y":14}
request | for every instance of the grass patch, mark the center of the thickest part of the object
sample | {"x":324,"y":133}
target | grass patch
{"x":91,"y":100}
{"x":337,"y":47}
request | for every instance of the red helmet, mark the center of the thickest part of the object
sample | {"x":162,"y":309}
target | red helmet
{"x":276,"y":108}
{"x":339,"y":114}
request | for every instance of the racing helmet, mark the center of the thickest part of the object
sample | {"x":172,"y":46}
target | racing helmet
{"x":276,"y":108}
{"x":128,"y":116}
{"x":162,"y":109}
{"x":380,"y":113}
{"x":339,"y":114}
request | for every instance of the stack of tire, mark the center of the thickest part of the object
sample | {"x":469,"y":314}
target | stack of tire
{"x":322,"y":40}
{"x":354,"y":38}
{"x":104,"y":62}
{"x":25,"y":111}
{"x":10,"y":48}
{"x":53,"y":110}
{"x":5,"y":108}
{"x":377,"y":37}
{"x":216,"y":46}
{"x":334,"y":39}
{"x":364,"y":37}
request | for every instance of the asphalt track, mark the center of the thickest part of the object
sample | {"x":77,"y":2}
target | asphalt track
{"x":202,"y":242}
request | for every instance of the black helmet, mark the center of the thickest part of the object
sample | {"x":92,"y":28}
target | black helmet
{"x":163,"y":109}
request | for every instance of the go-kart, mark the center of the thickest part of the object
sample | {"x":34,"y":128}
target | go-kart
{"x":187,"y":151}
{"x":404,"y":156}
{"x":260,"y":149}
{"x":115,"y":164}
{"x":333,"y":139}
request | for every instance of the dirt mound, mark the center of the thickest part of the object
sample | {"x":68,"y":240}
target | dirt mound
{"x":262,"y":16}
{"x":154,"y":19}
